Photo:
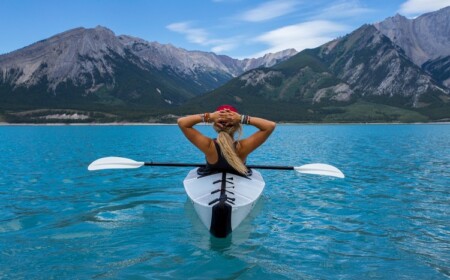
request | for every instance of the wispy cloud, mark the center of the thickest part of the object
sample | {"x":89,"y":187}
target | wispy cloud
{"x":343,"y":9}
{"x":268,"y":10}
{"x":300,"y":36}
{"x":415,"y":7}
{"x":201,"y":37}
{"x":309,"y":34}
{"x":221,"y":48}
{"x":193,"y":35}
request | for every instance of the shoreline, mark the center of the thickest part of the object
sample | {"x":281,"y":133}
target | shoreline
{"x":85,"y":124}
{"x":174,"y":124}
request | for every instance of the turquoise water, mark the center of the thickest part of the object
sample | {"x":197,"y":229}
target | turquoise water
{"x":388,"y":219}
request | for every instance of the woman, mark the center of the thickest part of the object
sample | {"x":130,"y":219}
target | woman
{"x":225,"y":153}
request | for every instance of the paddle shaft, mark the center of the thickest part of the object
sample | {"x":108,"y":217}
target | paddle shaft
{"x":126,"y":163}
{"x":202,"y":164}
{"x":271,"y":167}
{"x":173,"y":164}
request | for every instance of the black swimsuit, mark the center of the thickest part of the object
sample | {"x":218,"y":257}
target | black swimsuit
{"x":221,"y":164}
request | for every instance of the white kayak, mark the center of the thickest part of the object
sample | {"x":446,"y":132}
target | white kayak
{"x":223,"y":200}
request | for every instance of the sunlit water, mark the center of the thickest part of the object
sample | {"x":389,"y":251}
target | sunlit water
{"x":388,"y":219}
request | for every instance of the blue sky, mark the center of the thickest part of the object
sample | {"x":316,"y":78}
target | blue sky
{"x":238,"y":28}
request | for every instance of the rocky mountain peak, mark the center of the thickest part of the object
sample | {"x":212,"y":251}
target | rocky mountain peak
{"x":424,"y":38}
{"x":372,"y":65}
{"x":268,"y":60}
{"x":62,"y":57}
{"x":398,"y":18}
{"x":89,"y":59}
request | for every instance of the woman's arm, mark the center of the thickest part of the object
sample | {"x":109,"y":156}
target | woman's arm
{"x":187,"y":123}
{"x":249,"y":144}
{"x":255,"y":140}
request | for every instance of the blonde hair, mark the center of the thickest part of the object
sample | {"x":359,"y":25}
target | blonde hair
{"x":225,"y":139}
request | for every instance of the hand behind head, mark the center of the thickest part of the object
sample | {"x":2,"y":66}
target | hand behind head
{"x":227,"y":118}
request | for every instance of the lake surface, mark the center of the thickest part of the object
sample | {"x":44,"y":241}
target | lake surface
{"x":388,"y":219}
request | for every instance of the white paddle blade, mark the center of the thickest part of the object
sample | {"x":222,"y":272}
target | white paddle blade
{"x":320,"y":169}
{"x":114,"y":163}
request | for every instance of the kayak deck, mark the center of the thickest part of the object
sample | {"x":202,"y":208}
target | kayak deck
{"x":223,"y":200}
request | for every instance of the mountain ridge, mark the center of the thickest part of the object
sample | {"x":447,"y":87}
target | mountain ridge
{"x":424,"y":38}
{"x":336,"y":79}
{"x":88,"y":59}
{"x":376,"y":73}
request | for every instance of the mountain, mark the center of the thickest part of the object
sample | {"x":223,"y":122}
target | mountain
{"x":362,"y":76}
{"x":424,"y":38}
{"x":397,"y":70}
{"x":439,"y":69}
{"x":94,"y":68}
{"x":375,"y":67}
{"x":425,"y":41}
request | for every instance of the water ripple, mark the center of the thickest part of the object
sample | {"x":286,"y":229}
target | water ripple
{"x":389,"y":219}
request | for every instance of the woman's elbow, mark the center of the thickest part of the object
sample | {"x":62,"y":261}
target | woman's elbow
{"x":180,"y":121}
{"x":272,"y":126}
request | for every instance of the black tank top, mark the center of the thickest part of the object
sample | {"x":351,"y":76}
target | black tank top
{"x":221,"y":164}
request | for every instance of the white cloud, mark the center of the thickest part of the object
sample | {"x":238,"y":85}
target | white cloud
{"x":220,"y":48}
{"x":268,"y":10}
{"x":415,"y":7}
{"x":201,"y":37}
{"x":343,"y":9}
{"x":300,"y":36}
{"x":193,"y":35}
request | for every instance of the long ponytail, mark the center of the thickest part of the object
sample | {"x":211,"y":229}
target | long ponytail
{"x":226,"y":142}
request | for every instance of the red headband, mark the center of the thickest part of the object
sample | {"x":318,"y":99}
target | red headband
{"x":226,"y":107}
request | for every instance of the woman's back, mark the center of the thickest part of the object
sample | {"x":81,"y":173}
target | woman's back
{"x":226,"y":121}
